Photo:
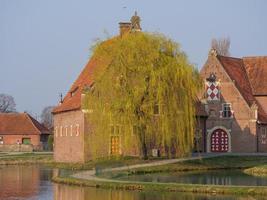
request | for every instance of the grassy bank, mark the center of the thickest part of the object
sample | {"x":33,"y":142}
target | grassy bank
{"x":220,"y":162}
{"x":223,"y":162}
{"x":25,"y":158}
{"x":47,"y":159}
{"x":165,"y":187}
{"x":103,"y":163}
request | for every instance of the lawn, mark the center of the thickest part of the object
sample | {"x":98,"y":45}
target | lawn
{"x":25,"y":158}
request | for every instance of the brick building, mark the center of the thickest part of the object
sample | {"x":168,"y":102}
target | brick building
{"x":235,"y":98}
{"x":231,"y":85}
{"x":18,"y":129}
{"x":72,"y":131}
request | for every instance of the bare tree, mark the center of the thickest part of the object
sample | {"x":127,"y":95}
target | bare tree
{"x":7,"y":104}
{"x":47,"y":117}
{"x":221,"y":45}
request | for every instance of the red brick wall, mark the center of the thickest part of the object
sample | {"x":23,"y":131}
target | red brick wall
{"x":242,"y":127}
{"x":69,"y":147}
{"x":12,"y":139}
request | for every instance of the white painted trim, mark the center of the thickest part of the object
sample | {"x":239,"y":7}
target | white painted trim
{"x":210,"y":131}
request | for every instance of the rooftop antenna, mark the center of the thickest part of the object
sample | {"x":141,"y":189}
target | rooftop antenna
{"x":60,"y":98}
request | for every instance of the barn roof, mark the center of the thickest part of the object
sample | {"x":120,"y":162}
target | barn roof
{"x":20,"y":124}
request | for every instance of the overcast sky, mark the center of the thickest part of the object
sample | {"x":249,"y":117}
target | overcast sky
{"x":44,"y":44}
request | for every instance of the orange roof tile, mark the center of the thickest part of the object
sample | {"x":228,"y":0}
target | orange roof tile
{"x":239,"y":70}
{"x":72,"y":100}
{"x":20,"y":124}
{"x":256,"y":68}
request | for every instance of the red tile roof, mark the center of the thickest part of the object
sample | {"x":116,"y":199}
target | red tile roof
{"x":256,"y":68}
{"x":241,"y":72}
{"x":20,"y":124}
{"x":72,"y":100}
{"x":235,"y":69}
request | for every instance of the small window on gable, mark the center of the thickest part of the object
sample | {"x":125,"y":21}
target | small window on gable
{"x":227,"y":110}
{"x":212,"y":88}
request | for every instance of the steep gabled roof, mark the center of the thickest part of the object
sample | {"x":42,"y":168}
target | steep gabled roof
{"x":20,"y":124}
{"x":256,"y":68}
{"x":238,"y":73}
{"x":72,"y":100}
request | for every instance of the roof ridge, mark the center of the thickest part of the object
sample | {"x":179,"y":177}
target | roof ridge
{"x":245,"y":57}
{"x":229,"y":57}
{"x":31,"y":119}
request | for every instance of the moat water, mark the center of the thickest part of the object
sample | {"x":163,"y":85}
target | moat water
{"x":34,"y":183}
{"x":213,"y":177}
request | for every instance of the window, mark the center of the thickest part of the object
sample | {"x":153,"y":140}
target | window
{"x":56,"y":131}
{"x":26,"y":140}
{"x":1,"y":140}
{"x":73,"y":92}
{"x":227,"y":110}
{"x":263,"y":135}
{"x":70,"y":130}
{"x":212,"y":113}
{"x":61,"y":131}
{"x":135,"y":130}
{"x":66,"y":130}
{"x":77,"y":131}
{"x":115,"y":130}
{"x":156,"y":109}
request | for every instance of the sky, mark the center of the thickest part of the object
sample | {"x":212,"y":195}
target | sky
{"x":44,"y":44}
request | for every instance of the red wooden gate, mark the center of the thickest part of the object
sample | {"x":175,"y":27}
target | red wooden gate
{"x":219,"y":141}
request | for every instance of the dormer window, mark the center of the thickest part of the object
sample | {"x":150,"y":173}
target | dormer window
{"x":72,"y":92}
{"x":212,"y":88}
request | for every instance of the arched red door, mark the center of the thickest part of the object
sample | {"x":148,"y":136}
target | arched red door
{"x":219,"y":141}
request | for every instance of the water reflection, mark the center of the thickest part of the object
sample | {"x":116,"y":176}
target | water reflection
{"x":63,"y":192}
{"x":34,"y":183}
{"x":221,"y":177}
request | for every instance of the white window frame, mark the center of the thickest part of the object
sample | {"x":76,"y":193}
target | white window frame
{"x":222,"y":111}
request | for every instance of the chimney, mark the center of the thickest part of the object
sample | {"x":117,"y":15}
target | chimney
{"x":125,"y":27}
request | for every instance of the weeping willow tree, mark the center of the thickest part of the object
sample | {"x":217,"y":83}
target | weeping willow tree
{"x":144,"y":87}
